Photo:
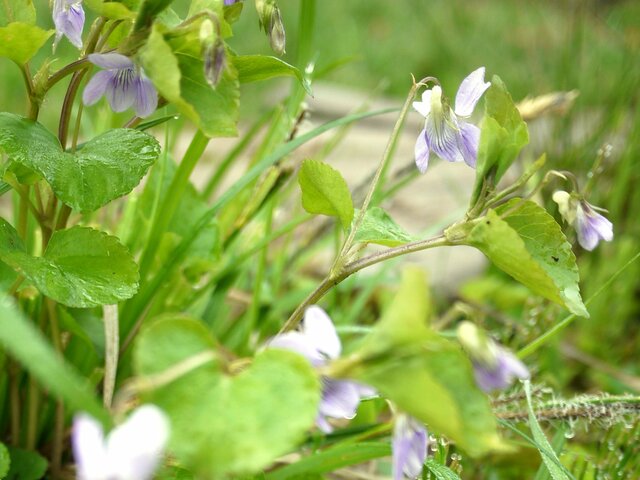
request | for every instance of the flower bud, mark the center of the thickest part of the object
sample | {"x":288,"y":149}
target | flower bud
{"x":271,"y":21}
{"x":213,"y":52}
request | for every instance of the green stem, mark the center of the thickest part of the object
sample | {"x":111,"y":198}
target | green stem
{"x":564,"y":323}
{"x":67,"y":70}
{"x":58,"y":428}
{"x":172,"y":199}
{"x":349,"y":269}
{"x":386,"y":157}
{"x":111,"y":350}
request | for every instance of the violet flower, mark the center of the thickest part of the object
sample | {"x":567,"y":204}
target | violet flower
{"x":446,"y":133}
{"x":123,"y":83}
{"x":132,"y":450}
{"x":68,"y":18}
{"x":230,"y":2}
{"x":409,"y":443}
{"x":318,"y":342}
{"x":494,"y":367}
{"x":590,"y":226}
{"x":501,"y":372}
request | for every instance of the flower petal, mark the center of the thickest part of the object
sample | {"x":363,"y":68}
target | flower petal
{"x":146,"y":100}
{"x":410,"y":441}
{"x":422,"y":152}
{"x":135,"y":447}
{"x":69,"y":21}
{"x":318,"y":327}
{"x":469,"y":92}
{"x":89,"y":450}
{"x":501,"y":376}
{"x":424,"y":107}
{"x":97,"y":86}
{"x":442,"y":136}
{"x":110,"y":60}
{"x":591,"y":227}
{"x":121,"y":91}
{"x":299,"y":343}
{"x":469,"y":140}
{"x":340,"y":398}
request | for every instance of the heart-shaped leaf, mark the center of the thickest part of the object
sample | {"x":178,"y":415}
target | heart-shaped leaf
{"x":103,"y":169}
{"x":378,"y":227}
{"x":529,"y":245}
{"x":225,"y":424}
{"x":81,"y":267}
{"x":21,"y":41}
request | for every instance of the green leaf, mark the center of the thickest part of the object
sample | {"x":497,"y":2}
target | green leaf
{"x":439,"y":471}
{"x":81,"y":267}
{"x":249,"y":410}
{"x":148,"y":11}
{"x":324,"y":191}
{"x":23,"y":341}
{"x":5,"y":460}
{"x":253,"y":68}
{"x":17,"y":11}
{"x":378,"y":227}
{"x":105,"y":168}
{"x":161,"y":66}
{"x":529,"y":245}
{"x":26,"y":465}
{"x":503,"y":134}
{"x":549,"y":457}
{"x":110,"y":9}
{"x":331,"y":459}
{"x":407,"y":363}
{"x":21,"y":41}
{"x":214,"y":110}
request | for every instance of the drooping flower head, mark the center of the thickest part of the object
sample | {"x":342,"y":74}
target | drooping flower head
{"x":271,"y":21}
{"x":68,"y":18}
{"x":124,"y":84}
{"x":130,"y":451}
{"x":590,"y":226}
{"x":409,"y":443}
{"x":319,"y":343}
{"x":494,"y":367}
{"x":446,"y":132}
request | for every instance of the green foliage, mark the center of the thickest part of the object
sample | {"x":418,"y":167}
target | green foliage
{"x":549,"y":457}
{"x":378,"y":227}
{"x":324,"y":191}
{"x":215,"y":111}
{"x":110,"y":9}
{"x":81,"y":267}
{"x":5,"y":460}
{"x":439,"y":471}
{"x":254,"y":68}
{"x":17,"y":11}
{"x":408,"y":363}
{"x":21,"y":41}
{"x":331,"y":459}
{"x":251,"y":411}
{"x":102,"y":169}
{"x":529,"y":245}
{"x":23,"y":341}
{"x":26,"y":465}
{"x":503,"y":135}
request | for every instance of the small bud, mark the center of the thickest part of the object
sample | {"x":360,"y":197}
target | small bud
{"x":476,"y":343}
{"x":277,"y":37}
{"x":271,"y":21}
{"x":213,"y":52}
{"x":215,"y":62}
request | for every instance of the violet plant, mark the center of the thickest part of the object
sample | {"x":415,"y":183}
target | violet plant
{"x":123,"y":356}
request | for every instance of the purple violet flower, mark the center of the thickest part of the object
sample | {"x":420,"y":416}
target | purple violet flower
{"x":410,"y":442}
{"x":500,"y":373}
{"x":447,"y":133}
{"x":68,"y":18}
{"x":319,"y":343}
{"x":131,"y":450}
{"x":494,"y":367}
{"x":124,"y":84}
{"x":230,"y":2}
{"x":590,"y":226}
